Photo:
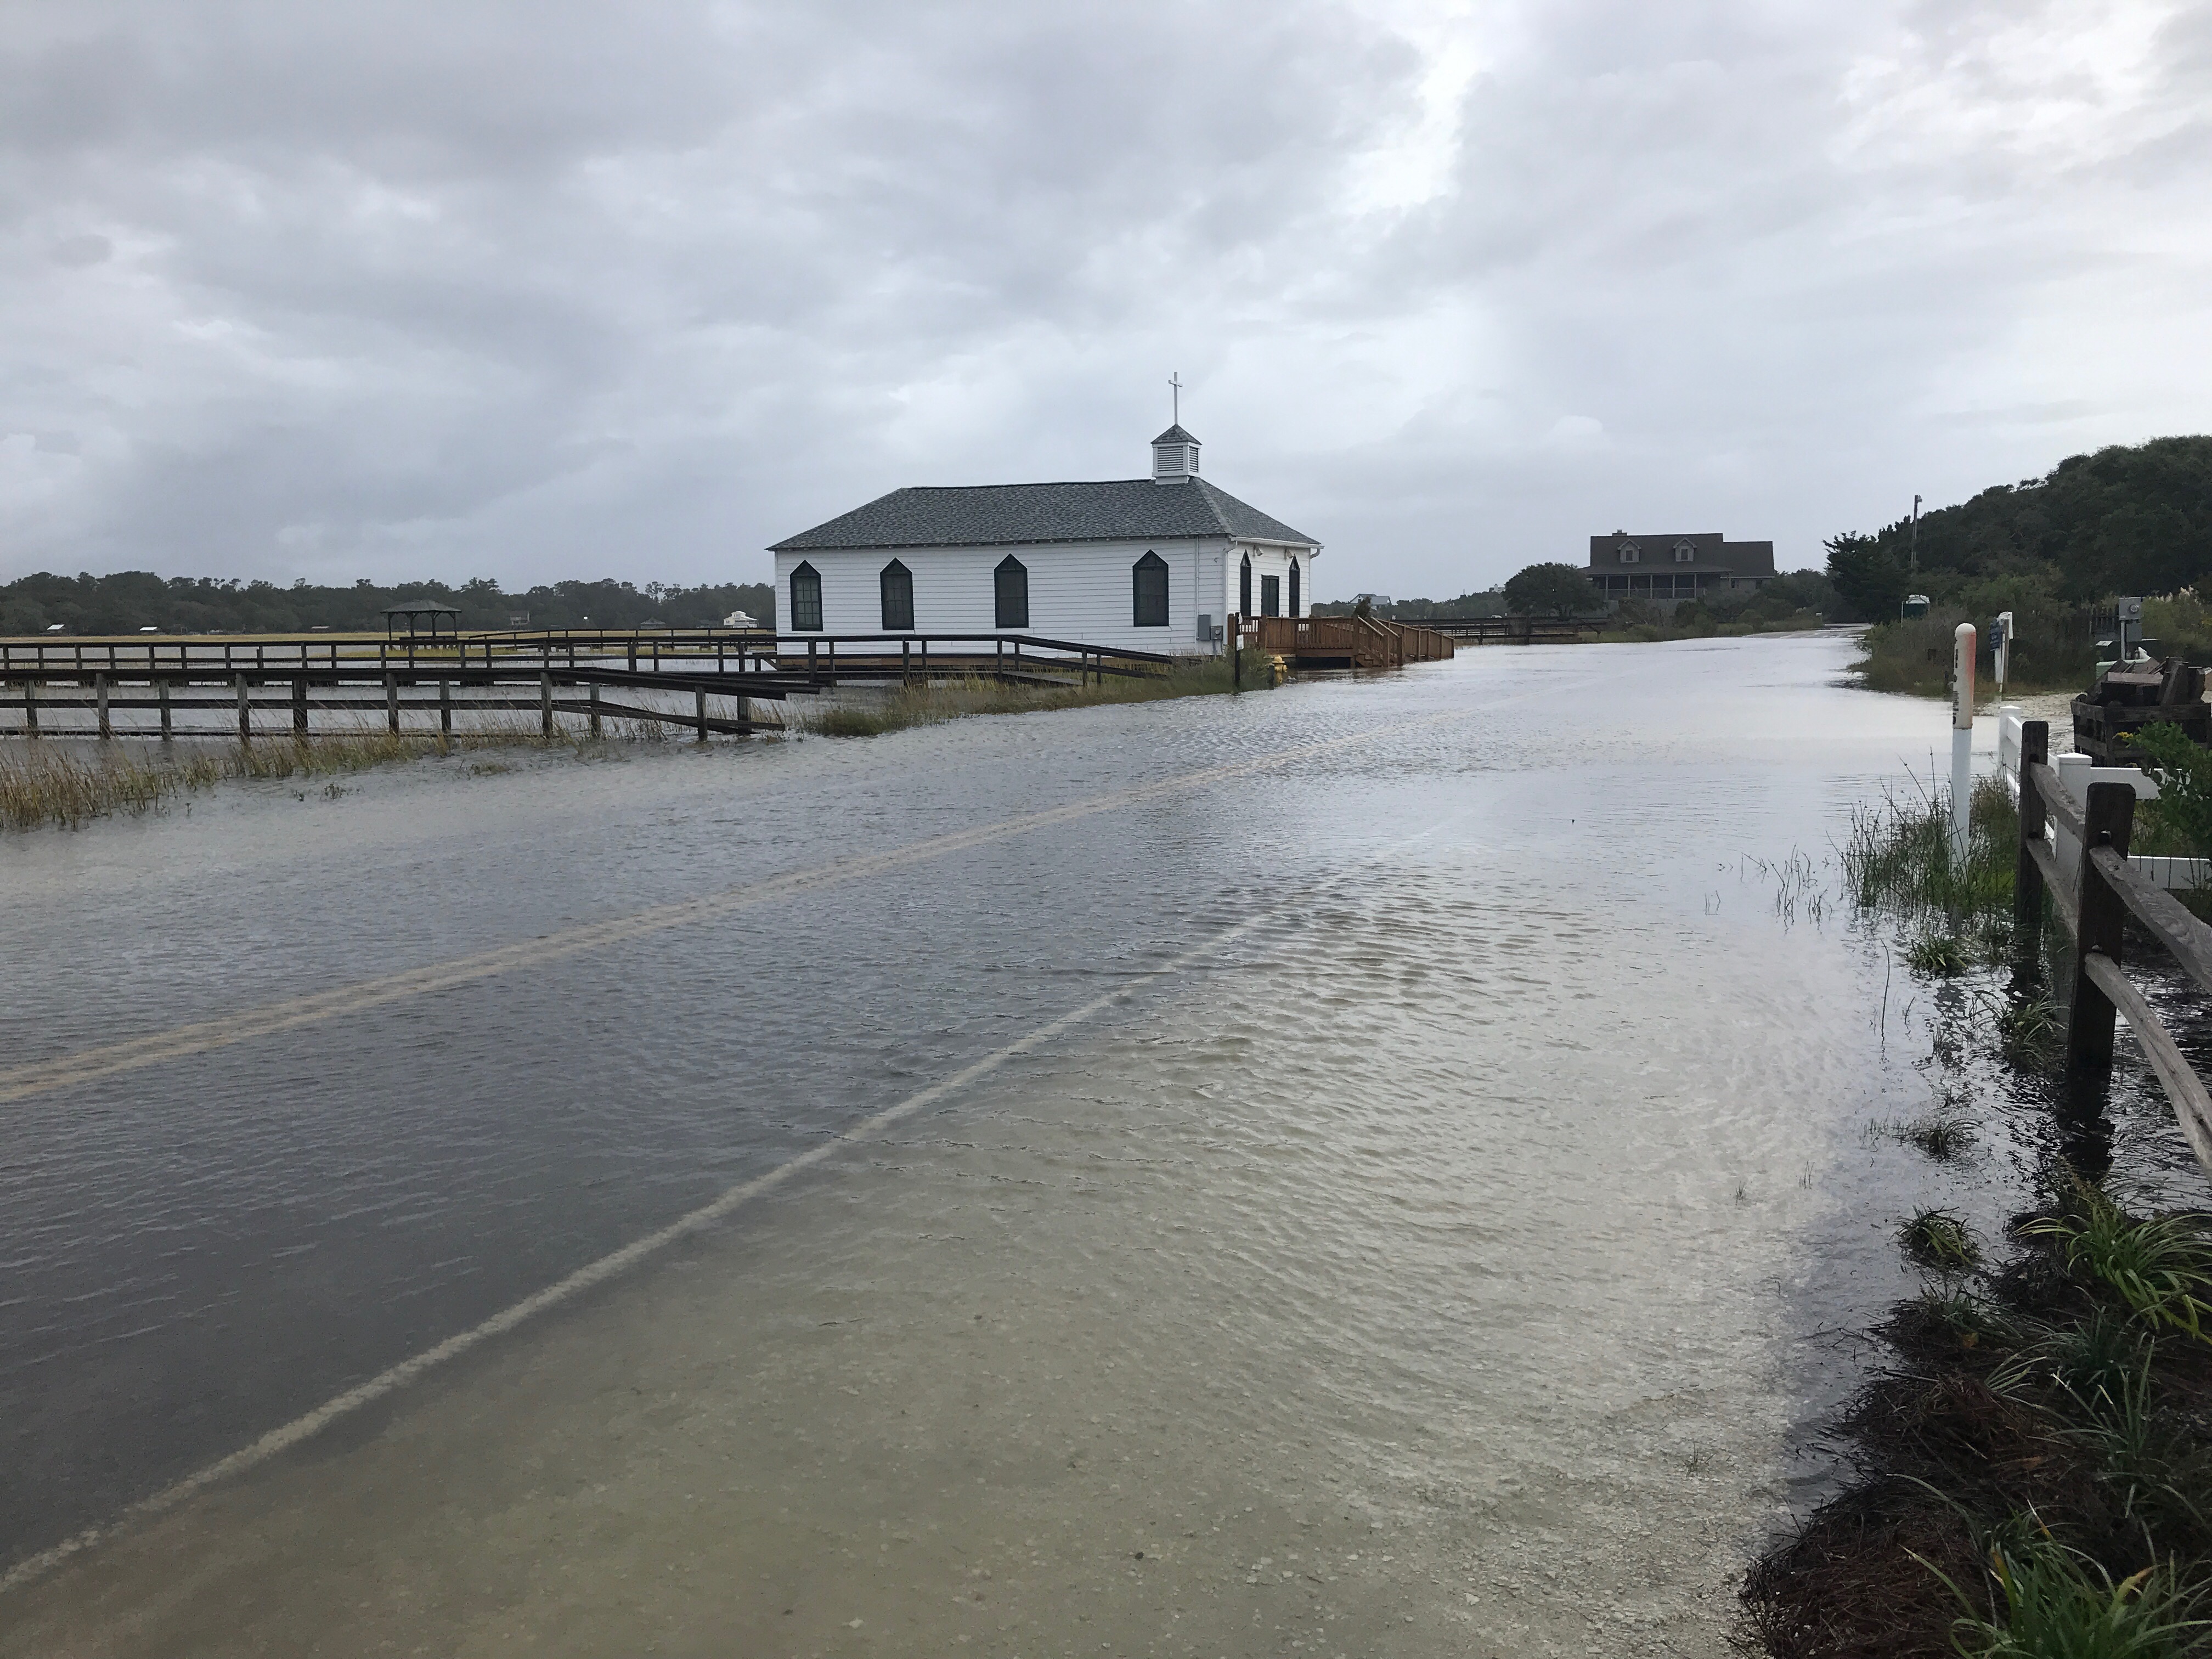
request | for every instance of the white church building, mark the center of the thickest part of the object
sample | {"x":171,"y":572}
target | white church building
{"x":1145,"y":564}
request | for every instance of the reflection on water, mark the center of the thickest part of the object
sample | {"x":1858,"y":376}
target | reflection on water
{"x":1441,"y":1266}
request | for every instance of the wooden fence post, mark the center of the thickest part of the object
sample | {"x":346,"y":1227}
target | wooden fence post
{"x":446,"y":708}
{"x":391,"y":702}
{"x":167,"y":731}
{"x":2107,"y":823}
{"x":300,"y":704}
{"x":2028,"y":875}
{"x":99,"y":695}
{"x":545,"y":705}
{"x":30,"y":708}
{"x":594,"y":700}
{"x":245,"y":714}
{"x":700,"y":710}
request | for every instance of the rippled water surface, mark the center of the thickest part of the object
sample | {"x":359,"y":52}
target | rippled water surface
{"x":1441,"y":1255}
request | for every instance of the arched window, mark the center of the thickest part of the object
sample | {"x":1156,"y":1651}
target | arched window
{"x":1010,"y":589}
{"x":1244,"y":586}
{"x":1294,"y":587}
{"x":897,"y":583}
{"x":1148,"y":581}
{"x":806,"y":600}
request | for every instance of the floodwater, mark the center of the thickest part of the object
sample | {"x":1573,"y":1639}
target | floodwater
{"x":1375,"y":1167}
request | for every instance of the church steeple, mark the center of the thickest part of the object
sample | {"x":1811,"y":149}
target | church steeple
{"x":1175,"y":456}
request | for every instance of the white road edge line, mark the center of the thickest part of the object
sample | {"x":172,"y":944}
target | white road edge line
{"x":607,"y":1267}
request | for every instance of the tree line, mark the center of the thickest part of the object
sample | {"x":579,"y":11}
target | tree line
{"x":2123,"y":521}
{"x":129,"y":600}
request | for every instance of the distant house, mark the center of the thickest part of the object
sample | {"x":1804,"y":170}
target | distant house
{"x":1668,"y":570}
{"x":1150,"y":564}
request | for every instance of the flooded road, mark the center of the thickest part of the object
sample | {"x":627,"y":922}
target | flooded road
{"x":1365,"y":1168}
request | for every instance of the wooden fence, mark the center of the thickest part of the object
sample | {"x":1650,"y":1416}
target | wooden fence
{"x":2094,"y":900}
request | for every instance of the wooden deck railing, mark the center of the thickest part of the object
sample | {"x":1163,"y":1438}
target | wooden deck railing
{"x":1361,"y":642}
{"x":2094,"y":905}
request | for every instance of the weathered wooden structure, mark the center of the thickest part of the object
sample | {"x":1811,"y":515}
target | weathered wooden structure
{"x":1344,"y":641}
{"x":49,"y":685}
{"x":2094,"y":900}
{"x":2130,"y":695}
{"x":1516,"y":630}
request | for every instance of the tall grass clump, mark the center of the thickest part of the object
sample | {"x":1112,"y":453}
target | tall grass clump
{"x":1898,"y":860}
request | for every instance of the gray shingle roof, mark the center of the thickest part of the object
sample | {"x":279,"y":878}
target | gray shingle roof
{"x":1174,"y":435}
{"x":992,"y":515}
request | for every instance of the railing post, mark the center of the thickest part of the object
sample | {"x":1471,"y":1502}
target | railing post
{"x":99,"y":697}
{"x":594,"y":700}
{"x":31,"y":707}
{"x":2028,"y":875}
{"x":391,"y":702}
{"x":245,"y":713}
{"x":2107,"y":823}
{"x":700,"y":709}
{"x":545,"y":705}
{"x":168,"y":733}
{"x":299,"y":703}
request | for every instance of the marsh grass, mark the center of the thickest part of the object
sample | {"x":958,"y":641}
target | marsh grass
{"x":1946,"y":1139}
{"x":42,"y":784}
{"x":951,"y":699}
{"x":1898,"y":860}
{"x":2054,"y":1602}
{"x":1939,"y":1239}
{"x":2161,"y":1267}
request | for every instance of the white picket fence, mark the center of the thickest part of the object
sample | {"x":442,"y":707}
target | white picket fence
{"x":2077,"y":773}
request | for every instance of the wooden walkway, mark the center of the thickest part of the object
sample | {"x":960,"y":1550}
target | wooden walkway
{"x":49,"y":686}
{"x":1345,"y":641}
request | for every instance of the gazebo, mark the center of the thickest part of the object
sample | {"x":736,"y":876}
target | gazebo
{"x":423,"y":617}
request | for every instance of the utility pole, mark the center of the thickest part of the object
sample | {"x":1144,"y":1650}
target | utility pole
{"x":1916,"y":537}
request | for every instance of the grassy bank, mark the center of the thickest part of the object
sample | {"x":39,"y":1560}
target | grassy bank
{"x":2034,"y":1462}
{"x":1704,"y":627}
{"x":2036,"y":1467}
{"x":50,"y":784}
{"x":924,"y":705}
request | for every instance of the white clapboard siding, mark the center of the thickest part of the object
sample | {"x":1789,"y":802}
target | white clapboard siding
{"x":1083,"y":591}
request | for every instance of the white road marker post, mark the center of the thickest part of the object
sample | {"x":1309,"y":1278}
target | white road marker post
{"x":1962,"y":739}
{"x":2001,"y":649}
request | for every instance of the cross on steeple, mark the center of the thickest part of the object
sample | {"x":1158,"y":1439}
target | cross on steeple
{"x":1174,"y":386}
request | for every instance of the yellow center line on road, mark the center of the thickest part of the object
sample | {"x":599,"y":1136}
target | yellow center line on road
{"x":111,"y":1059}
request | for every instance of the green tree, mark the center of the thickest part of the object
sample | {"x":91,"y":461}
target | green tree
{"x":1869,"y":575}
{"x":1550,"y":590}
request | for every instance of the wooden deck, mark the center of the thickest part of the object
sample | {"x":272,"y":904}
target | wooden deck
{"x":1345,"y":641}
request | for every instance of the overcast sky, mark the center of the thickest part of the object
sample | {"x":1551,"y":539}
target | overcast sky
{"x":556,"y":289}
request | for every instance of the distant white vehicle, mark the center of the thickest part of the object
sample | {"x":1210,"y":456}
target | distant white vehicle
{"x":738,"y":619}
{"x":149,"y":629}
{"x":56,"y":628}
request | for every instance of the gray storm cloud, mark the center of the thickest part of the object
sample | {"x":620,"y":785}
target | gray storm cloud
{"x":547,"y":290}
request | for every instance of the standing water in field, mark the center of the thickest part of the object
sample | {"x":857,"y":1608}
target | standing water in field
{"x":1366,"y":1169}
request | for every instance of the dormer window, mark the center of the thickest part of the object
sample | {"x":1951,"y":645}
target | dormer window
{"x":1631,"y":553}
{"x":1683,"y":553}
